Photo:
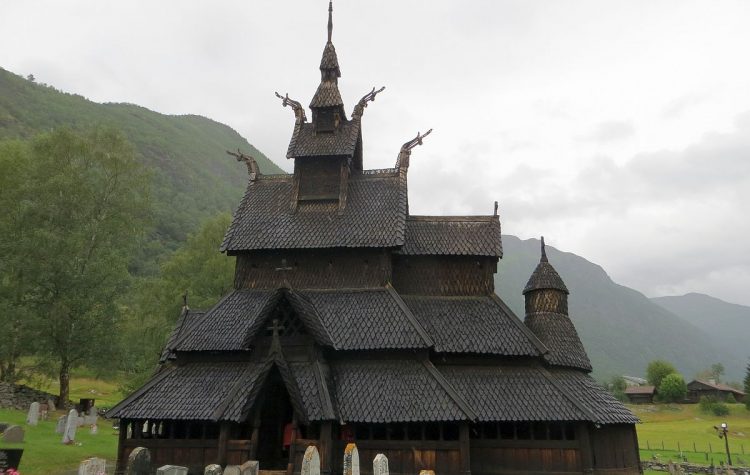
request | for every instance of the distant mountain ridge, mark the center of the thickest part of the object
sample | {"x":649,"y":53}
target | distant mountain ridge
{"x":193,"y":179}
{"x":621,"y":329}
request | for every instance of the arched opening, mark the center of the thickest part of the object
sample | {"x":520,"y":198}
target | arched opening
{"x":275,"y":415}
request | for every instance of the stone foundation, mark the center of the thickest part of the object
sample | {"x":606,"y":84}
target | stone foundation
{"x":18,"y":396}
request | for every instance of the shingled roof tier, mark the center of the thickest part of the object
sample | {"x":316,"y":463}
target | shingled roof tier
{"x":178,"y":331}
{"x":470,"y":324}
{"x":453,"y":235}
{"x":603,"y":405}
{"x":306,"y":142}
{"x":367,"y":319}
{"x":545,"y":276}
{"x":559,"y":335}
{"x":395,"y":390}
{"x":374,"y":216}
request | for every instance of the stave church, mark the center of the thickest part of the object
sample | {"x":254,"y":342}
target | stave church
{"x":352,"y":320}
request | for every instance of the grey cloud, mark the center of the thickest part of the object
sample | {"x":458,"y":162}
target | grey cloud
{"x":677,"y":107}
{"x":610,"y":130}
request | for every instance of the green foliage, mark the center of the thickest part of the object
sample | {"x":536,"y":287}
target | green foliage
{"x":617,"y":387}
{"x":657,"y":370}
{"x":746,"y":382}
{"x":710,"y":405}
{"x":79,"y":204}
{"x":672,"y":388}
{"x":197,"y":268}
{"x":731,"y":399}
{"x":192,"y":179}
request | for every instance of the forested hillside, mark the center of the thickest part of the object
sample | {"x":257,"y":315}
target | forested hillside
{"x":621,"y":328}
{"x":193,"y":177}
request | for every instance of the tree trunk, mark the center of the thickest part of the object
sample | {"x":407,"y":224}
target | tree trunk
{"x":64,"y":383}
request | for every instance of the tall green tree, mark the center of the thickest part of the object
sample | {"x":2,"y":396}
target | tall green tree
{"x":85,"y":206}
{"x":747,"y":387}
{"x":657,"y":370}
{"x":198,"y":269}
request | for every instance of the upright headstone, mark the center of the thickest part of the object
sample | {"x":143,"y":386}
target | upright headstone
{"x":172,"y":470}
{"x":43,"y":411}
{"x":32,"y":418}
{"x":61,"y":421}
{"x":91,"y":417}
{"x":51,"y":405}
{"x":93,"y":466}
{"x":232,"y":470}
{"x":139,"y":462}
{"x":426,"y":472}
{"x":13,"y":435}
{"x":380,"y":465}
{"x":351,"y":459}
{"x":250,"y":467}
{"x":213,"y":469}
{"x":71,"y":424}
{"x":310,"y":461}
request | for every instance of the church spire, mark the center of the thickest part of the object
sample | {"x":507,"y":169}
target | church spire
{"x":544,"y":252}
{"x":330,"y":19}
{"x":326,"y":103}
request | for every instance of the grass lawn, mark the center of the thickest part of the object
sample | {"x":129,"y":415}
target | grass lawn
{"x":44,"y":453}
{"x":684,"y":427}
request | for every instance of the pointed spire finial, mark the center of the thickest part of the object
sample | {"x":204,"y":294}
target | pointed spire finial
{"x":544,"y":252}
{"x":330,"y":19}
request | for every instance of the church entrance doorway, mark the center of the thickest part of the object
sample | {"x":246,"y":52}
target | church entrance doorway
{"x":275,"y":429}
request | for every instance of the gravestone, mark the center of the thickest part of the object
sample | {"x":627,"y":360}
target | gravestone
{"x":61,"y":421}
{"x":139,"y":462}
{"x":43,"y":411}
{"x":213,"y":469}
{"x":380,"y":465}
{"x":10,"y":458}
{"x":91,"y":417}
{"x":32,"y":418}
{"x":426,"y":472}
{"x":71,"y":423}
{"x":232,"y":470}
{"x":311,"y":461}
{"x":13,"y":435}
{"x":51,"y":405}
{"x":94,"y":429}
{"x":351,"y":459}
{"x":172,"y":470}
{"x":250,"y":467}
{"x":93,"y":466}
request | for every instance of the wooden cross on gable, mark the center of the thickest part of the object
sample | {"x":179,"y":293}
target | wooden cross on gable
{"x":284,"y":269}
{"x":276,"y":328}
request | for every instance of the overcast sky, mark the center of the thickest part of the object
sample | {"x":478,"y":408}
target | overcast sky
{"x":618,"y":130}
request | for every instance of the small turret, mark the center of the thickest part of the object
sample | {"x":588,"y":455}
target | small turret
{"x":547,"y":316}
{"x":327,"y":105}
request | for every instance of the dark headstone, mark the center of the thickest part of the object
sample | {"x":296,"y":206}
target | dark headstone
{"x":13,"y":435}
{"x":10,"y":458}
{"x":139,"y":462}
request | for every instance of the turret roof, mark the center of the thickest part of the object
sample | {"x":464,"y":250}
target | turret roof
{"x":545,"y":276}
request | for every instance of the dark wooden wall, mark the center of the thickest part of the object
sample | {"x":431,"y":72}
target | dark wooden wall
{"x":444,"y":275}
{"x":615,"y":448}
{"x":319,"y":177}
{"x":314,"y":269}
{"x":546,"y":300}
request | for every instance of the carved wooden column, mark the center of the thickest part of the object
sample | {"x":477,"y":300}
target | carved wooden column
{"x":464,"y":448}
{"x":326,"y":448}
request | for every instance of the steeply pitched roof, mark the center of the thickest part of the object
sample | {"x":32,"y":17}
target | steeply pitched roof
{"x":559,"y":335}
{"x":315,"y":389}
{"x":511,"y":393}
{"x":327,"y":94}
{"x":374,"y":216}
{"x":306,"y":142}
{"x":545,"y":276}
{"x":193,"y":391}
{"x":473,"y":325}
{"x":367,"y":319}
{"x":179,"y":329}
{"x":393,"y":390}
{"x":226,"y":326}
{"x":603,"y":405}
{"x":453,"y":235}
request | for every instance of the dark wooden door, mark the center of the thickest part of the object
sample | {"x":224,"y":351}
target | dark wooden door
{"x":275,"y":413}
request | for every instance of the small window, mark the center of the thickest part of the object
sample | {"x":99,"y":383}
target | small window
{"x":396,"y":432}
{"x":362,"y":432}
{"x":556,"y":431}
{"x":450,"y":431}
{"x":414,"y":431}
{"x":523,"y":430}
{"x":539,"y":430}
{"x":507,"y":430}
{"x":195,"y":430}
{"x":212,"y":431}
{"x":489,"y":430}
{"x":432,"y":431}
{"x":378,"y":432}
{"x":475,"y":431}
{"x":570,"y":431}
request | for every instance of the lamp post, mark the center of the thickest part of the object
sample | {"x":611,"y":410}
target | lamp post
{"x":723,"y":431}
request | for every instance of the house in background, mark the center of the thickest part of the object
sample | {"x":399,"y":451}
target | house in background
{"x":640,"y":394}
{"x":697,"y":389}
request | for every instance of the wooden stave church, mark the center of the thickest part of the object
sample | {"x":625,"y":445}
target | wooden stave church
{"x":353,"y":321}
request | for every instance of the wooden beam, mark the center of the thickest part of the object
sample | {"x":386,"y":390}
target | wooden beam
{"x":464,"y":448}
{"x":326,"y":448}
{"x":583,"y":434}
{"x":223,"y":442}
{"x":124,"y":423}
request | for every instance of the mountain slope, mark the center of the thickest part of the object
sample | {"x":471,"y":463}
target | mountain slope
{"x":727,"y":322}
{"x":193,"y":176}
{"x":621,"y":328}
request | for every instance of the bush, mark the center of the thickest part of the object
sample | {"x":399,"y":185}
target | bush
{"x":672,"y":388}
{"x":731,"y":399}
{"x":720,"y":409}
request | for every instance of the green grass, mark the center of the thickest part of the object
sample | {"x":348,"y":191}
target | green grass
{"x":44,"y":453}
{"x":675,"y":427}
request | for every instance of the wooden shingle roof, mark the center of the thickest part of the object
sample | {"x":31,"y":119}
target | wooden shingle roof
{"x":473,"y":324}
{"x":561,"y":338}
{"x":374,"y":216}
{"x":545,"y":276}
{"x":306,"y":142}
{"x":453,"y":235}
